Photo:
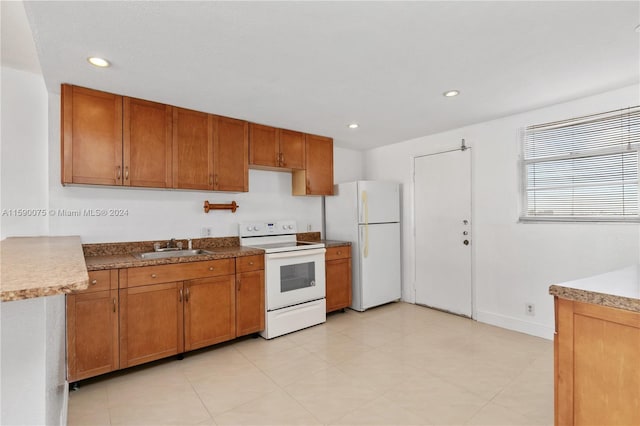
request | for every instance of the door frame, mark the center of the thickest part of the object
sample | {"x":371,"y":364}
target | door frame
{"x":472,"y":218}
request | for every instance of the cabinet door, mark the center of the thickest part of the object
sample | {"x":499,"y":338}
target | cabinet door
{"x":317,"y":177}
{"x":231,"y":155}
{"x":292,"y":149}
{"x":250,"y":311}
{"x":210,"y":311}
{"x":91,"y":136}
{"x":147,"y":144}
{"x":264,"y":145}
{"x":151,"y":323}
{"x":192,"y":149}
{"x":92,"y":334}
{"x":338,"y":284}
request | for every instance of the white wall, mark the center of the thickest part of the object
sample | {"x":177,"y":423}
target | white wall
{"x":348,"y":165}
{"x":24,"y":155}
{"x":32,"y":364}
{"x":32,"y":372}
{"x":513,"y":263}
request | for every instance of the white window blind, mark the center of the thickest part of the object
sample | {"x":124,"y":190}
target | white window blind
{"x":584,"y":168}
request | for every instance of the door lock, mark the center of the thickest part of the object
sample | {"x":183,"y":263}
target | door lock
{"x":465,"y":222}
{"x":465,"y":242}
{"x":465,"y":232}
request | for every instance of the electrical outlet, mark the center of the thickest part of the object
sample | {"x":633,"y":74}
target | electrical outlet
{"x":530,"y":309}
{"x":205,"y":231}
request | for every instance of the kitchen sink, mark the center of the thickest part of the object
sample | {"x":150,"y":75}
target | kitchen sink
{"x":171,"y":253}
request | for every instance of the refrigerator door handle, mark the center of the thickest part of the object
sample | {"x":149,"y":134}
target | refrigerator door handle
{"x":365,"y":207}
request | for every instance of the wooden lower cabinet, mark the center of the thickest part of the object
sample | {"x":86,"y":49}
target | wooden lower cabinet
{"x":132,"y":316}
{"x":338,"y":278}
{"x":209,"y":311}
{"x":249,"y":302}
{"x":151,"y":323}
{"x":250,"y":295}
{"x":597,"y":359}
{"x":92,"y":334}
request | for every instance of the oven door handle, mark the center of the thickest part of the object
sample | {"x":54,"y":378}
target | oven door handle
{"x":295,"y":253}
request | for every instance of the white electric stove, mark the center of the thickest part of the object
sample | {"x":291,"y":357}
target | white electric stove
{"x":294,"y":276}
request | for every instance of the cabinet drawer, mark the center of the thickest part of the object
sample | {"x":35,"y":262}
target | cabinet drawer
{"x":338,"y":253}
{"x":100,"y":281}
{"x":144,"y":275}
{"x":250,"y":263}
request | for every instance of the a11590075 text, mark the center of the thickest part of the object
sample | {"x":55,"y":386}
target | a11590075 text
{"x":65,"y":212}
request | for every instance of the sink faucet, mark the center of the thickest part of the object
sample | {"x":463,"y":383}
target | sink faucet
{"x":171,"y":243}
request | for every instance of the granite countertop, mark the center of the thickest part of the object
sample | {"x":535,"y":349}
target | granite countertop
{"x":335,"y":243}
{"x":128,"y":260}
{"x":120,"y":255}
{"x":315,"y":237}
{"x":617,"y":289}
{"x":41,"y":266}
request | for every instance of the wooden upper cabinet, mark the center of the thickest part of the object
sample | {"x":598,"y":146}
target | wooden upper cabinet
{"x":274,"y":148}
{"x":91,"y":136}
{"x":317,"y":177}
{"x":292,"y":149}
{"x":231,"y":155}
{"x":108,"y":139}
{"x":264,"y":145}
{"x":192,"y":149}
{"x":147,"y":144}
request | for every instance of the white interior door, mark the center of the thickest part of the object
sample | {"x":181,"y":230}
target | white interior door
{"x":442,"y":192}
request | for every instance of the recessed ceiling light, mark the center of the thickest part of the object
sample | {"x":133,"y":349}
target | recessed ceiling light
{"x":98,"y":62}
{"x":354,"y":125}
{"x":451,"y":93}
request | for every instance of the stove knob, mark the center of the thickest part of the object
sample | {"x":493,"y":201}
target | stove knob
{"x":255,"y":228}
{"x":290,"y":227}
{"x":249,"y":228}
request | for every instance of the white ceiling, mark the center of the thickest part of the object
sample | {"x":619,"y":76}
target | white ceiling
{"x":317,"y":66}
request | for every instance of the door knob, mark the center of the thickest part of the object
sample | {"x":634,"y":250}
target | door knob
{"x":465,"y":242}
{"x":465,"y":233}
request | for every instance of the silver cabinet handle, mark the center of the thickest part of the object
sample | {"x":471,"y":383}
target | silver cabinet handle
{"x":154,"y":276}
{"x":180,"y":298}
{"x":94,"y":282}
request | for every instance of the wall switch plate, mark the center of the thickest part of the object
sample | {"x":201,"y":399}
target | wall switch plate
{"x":530,"y":309}
{"x":205,"y":231}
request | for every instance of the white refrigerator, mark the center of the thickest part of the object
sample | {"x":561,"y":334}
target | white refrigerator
{"x":367,"y":213}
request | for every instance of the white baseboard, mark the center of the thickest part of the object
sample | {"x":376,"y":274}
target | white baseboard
{"x":64,"y":414}
{"x":515,"y":324}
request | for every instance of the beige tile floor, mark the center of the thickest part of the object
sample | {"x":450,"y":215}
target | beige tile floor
{"x":398,"y":364}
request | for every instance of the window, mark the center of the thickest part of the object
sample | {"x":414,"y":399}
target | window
{"x":584,"y":168}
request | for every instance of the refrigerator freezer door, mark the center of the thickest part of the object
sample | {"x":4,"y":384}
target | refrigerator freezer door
{"x":379,"y":258}
{"x":378,"y":202}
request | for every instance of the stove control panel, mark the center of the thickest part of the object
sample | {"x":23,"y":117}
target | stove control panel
{"x":258,"y":229}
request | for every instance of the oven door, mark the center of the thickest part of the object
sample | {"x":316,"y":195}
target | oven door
{"x":294,"y":277}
